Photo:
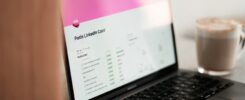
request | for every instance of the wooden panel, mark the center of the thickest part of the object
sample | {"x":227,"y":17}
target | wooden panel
{"x":30,"y":50}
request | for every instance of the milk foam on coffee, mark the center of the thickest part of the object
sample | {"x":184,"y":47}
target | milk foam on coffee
{"x":217,"y":42}
{"x":217,"y":28}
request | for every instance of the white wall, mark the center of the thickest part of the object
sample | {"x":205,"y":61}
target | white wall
{"x":185,"y":12}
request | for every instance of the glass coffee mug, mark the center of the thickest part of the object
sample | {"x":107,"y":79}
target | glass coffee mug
{"x":218,"y":43}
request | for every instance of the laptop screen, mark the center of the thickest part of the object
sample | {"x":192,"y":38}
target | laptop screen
{"x":111,"y":43}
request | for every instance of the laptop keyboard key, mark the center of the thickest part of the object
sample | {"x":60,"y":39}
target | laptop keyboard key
{"x":183,"y":86}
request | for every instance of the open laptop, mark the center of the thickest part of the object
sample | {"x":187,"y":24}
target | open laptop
{"x":125,"y":49}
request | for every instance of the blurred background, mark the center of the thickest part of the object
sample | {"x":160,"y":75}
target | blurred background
{"x":186,"y":12}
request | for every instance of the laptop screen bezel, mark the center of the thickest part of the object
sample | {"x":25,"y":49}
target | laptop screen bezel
{"x":124,"y":88}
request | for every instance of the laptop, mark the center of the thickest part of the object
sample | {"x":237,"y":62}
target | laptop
{"x":125,"y":50}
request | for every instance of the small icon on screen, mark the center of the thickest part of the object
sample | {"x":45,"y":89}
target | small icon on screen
{"x":76,"y":23}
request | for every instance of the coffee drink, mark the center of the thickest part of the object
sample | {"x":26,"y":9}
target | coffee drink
{"x":217,"y":44}
{"x":216,"y":54}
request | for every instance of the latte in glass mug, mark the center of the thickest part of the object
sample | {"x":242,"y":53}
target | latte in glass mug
{"x":218,"y":42}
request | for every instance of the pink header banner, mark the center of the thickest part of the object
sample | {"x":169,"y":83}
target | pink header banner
{"x":83,"y":10}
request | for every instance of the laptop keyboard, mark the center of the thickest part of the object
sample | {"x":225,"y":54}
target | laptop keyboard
{"x":184,"y":86}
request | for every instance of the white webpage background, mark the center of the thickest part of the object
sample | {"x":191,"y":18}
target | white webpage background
{"x":137,"y":42}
